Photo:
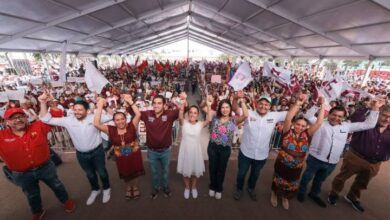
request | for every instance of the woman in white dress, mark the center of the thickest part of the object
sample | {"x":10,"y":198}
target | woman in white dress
{"x":190,"y":162}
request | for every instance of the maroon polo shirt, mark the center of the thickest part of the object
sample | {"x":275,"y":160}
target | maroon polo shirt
{"x":159,"y":129}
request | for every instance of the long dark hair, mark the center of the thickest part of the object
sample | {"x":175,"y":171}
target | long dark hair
{"x":219,"y":112}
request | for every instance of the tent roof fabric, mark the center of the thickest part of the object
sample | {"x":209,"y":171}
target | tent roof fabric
{"x":277,"y":28}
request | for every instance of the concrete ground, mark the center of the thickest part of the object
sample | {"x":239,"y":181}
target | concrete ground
{"x":13,"y":204}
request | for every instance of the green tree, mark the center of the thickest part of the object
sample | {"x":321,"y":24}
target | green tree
{"x":37,"y":57}
{"x":330,"y":65}
{"x":351,"y":63}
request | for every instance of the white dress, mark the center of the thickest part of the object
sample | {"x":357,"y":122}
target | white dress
{"x":190,"y":161}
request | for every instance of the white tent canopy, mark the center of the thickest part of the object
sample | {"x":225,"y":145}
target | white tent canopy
{"x":278,"y":28}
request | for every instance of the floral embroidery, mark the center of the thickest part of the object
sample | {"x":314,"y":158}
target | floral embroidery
{"x":222,"y":133}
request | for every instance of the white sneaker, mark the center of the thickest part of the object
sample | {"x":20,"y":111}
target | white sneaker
{"x":186,"y":193}
{"x":194,"y":193}
{"x":91,"y":199}
{"x":211,"y":193}
{"x":106,"y":195}
{"x":218,"y":195}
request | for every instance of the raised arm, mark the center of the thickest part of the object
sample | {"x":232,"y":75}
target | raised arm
{"x":321,"y":115}
{"x":292,"y":112}
{"x":371,"y":119}
{"x":45,"y":116}
{"x":137,"y":113}
{"x":181,"y":113}
{"x":245,"y":112}
{"x":43,"y":99}
{"x":209,"y":102}
{"x":98,"y":114}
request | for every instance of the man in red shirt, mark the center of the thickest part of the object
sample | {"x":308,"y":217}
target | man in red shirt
{"x":158,"y":123}
{"x":24,"y":149}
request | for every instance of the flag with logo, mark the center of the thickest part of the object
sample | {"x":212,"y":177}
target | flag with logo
{"x":94,"y":79}
{"x":242,"y":77}
{"x":281,"y":75}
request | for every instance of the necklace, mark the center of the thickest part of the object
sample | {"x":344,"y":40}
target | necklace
{"x":122,"y":136}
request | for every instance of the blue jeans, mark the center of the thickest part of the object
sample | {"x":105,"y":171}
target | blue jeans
{"x":159,"y":167}
{"x":244,"y":163}
{"x":94,"y":162}
{"x":29,"y":182}
{"x":318,"y":170}
{"x":218,"y":159}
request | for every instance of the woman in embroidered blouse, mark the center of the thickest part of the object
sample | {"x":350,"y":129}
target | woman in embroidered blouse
{"x":222,"y":128}
{"x":125,"y":147}
{"x":295,"y":144}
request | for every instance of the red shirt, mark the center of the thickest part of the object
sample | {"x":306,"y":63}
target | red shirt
{"x":56,"y":113}
{"x":27,"y":152}
{"x":159,"y":130}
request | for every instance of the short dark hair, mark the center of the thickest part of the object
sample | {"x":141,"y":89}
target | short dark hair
{"x":160,"y":97}
{"x":83,"y":103}
{"x":338,"y":108}
{"x":219,"y":113}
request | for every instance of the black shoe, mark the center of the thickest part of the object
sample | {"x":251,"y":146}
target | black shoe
{"x":167,"y":192}
{"x":237,"y":194}
{"x":317,"y":200}
{"x":332,"y":199}
{"x":355,"y":204}
{"x":301,"y":197}
{"x":252,"y":194}
{"x":154,"y":194}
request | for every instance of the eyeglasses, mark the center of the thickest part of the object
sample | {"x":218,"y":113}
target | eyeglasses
{"x":22,"y":117}
{"x":385,"y":116}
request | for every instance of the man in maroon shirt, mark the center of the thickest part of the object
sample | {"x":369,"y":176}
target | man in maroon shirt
{"x":368,"y":149}
{"x":24,"y":149}
{"x":158,"y":123}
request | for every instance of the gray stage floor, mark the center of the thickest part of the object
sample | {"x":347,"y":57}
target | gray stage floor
{"x":14,"y":205}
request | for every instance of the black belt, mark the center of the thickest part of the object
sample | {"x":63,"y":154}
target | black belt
{"x":371,"y":161}
{"x":159,"y":149}
{"x":33,"y":169}
{"x":91,"y":151}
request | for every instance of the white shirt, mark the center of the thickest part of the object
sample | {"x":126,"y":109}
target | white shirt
{"x":257,"y":133}
{"x":328,"y":141}
{"x":83,"y":133}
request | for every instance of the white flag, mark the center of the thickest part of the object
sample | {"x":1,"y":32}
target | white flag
{"x":201,"y":67}
{"x":94,"y":79}
{"x":242,"y":77}
{"x":63,"y":62}
{"x":281,"y":75}
{"x":332,"y":89}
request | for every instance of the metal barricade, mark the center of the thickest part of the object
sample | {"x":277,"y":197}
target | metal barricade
{"x":275,"y":139}
{"x":60,"y":140}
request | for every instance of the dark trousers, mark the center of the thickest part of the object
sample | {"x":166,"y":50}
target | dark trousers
{"x":29,"y":182}
{"x":218,"y":159}
{"x":244,"y":163}
{"x":318,"y":170}
{"x":94,"y":164}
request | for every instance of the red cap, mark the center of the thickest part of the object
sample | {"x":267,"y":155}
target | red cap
{"x":12,"y":111}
